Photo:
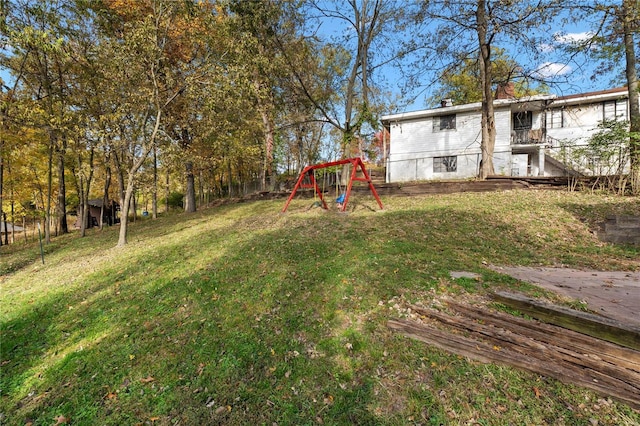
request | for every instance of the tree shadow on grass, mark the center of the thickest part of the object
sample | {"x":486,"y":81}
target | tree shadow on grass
{"x":283,"y":325}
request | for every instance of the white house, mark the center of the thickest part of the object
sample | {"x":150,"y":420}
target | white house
{"x":444,"y":143}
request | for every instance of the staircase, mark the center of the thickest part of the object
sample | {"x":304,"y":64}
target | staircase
{"x":566,"y":169}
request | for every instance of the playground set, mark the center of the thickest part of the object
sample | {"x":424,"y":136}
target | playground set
{"x":307,"y":179}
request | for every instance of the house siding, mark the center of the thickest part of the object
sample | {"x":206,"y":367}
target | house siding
{"x":580,"y":122}
{"x":555,"y":124}
{"x":415,"y":145}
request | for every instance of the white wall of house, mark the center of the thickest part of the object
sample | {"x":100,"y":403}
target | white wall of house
{"x":576,"y":123}
{"x":421,"y":150}
{"x":572,"y":121}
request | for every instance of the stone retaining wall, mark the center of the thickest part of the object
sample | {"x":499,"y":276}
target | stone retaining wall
{"x":622,"y":229}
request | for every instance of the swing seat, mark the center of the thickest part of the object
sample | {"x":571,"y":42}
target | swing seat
{"x":340,"y":199}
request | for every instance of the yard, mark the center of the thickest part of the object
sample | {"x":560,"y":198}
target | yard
{"x":239,"y":314}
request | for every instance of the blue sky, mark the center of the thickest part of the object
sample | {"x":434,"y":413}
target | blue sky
{"x":571,"y":76}
{"x":564,"y":75}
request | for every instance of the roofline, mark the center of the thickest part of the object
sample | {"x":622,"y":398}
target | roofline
{"x":601,"y":95}
{"x":476,"y":106}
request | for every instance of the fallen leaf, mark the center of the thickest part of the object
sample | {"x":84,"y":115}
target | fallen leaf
{"x":61,"y":420}
{"x":111,"y":395}
{"x":148,"y":379}
{"x":154,"y":419}
{"x":536,"y":391}
{"x":200,"y":369}
{"x":132,"y":357}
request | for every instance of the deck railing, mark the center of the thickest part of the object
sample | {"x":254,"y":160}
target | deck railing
{"x":527,"y":137}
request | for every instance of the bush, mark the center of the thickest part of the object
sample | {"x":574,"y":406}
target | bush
{"x":176,"y":199}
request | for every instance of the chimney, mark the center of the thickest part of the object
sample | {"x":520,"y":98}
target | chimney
{"x":446,"y":102}
{"x":505,"y":91}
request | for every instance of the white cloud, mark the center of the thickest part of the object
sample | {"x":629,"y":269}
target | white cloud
{"x":552,"y":69}
{"x":560,"y":39}
{"x":546,"y":47}
{"x":573,"y":38}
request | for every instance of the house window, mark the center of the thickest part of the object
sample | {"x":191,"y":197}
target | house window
{"x":445,"y":164}
{"x":522,"y":120}
{"x":522,"y":123}
{"x":555,"y":119}
{"x":615,"y":110}
{"x":444,"y":122}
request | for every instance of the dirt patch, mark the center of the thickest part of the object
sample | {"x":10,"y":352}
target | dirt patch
{"x":615,"y":295}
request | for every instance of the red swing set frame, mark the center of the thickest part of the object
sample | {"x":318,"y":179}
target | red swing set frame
{"x":309,"y":171}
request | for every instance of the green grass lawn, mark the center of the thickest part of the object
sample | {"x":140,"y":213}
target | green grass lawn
{"x":239,"y":314}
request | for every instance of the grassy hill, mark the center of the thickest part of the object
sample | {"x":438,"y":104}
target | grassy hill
{"x":241,"y":315}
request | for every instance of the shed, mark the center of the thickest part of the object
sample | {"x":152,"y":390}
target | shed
{"x":109,"y":213}
{"x":10,"y":228}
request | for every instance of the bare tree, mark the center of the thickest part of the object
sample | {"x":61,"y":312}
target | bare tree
{"x":476,"y":29}
{"x":611,"y":41}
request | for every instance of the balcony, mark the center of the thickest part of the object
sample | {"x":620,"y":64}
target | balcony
{"x":527,"y":137}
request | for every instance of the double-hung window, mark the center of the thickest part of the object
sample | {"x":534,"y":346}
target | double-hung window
{"x":444,"y":122}
{"x":445,"y":164}
{"x":555,"y":119}
{"x":615,"y":110}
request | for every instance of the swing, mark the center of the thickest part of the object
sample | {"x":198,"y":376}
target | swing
{"x":356,"y":164}
{"x":316,"y":203}
{"x":340,"y":194}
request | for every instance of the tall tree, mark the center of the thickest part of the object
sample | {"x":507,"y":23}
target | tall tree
{"x":474,"y":29}
{"x":39,"y":33}
{"x":630,"y":17}
{"x":611,"y":41}
{"x":364,"y":46}
{"x":462,"y":84}
{"x":262,"y":27}
{"x":136,"y":57}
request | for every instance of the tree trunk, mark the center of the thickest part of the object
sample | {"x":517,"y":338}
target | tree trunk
{"x":6,"y":229}
{"x":190,"y":196}
{"x":1,"y":178}
{"x":121,"y":184}
{"x":105,"y":193}
{"x":13,"y":218}
{"x":632,"y":85}
{"x":62,"y":191}
{"x":154,"y":192}
{"x":268,"y":151}
{"x":124,"y":213}
{"x":47,"y":213}
{"x":488,"y":142}
{"x":230,"y":182}
{"x":83,"y":204}
{"x":167,"y":193}
{"x":84,"y":217}
{"x":134,"y":205}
